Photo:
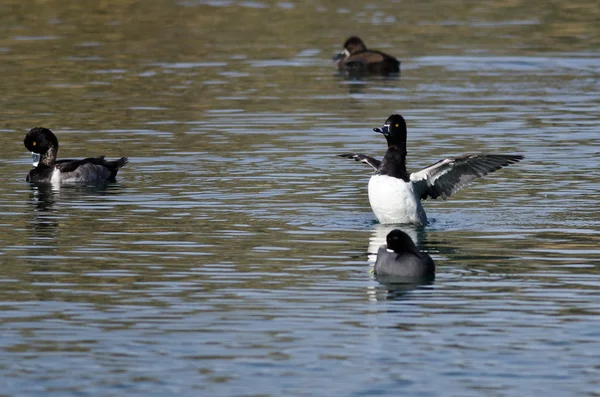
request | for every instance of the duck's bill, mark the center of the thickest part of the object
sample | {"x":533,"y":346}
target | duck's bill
{"x":339,"y":56}
{"x":385,"y":130}
{"x":36,"y":158}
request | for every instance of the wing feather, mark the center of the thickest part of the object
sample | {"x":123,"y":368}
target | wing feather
{"x":448,"y":176}
{"x":363,"y":158}
{"x":90,"y":169}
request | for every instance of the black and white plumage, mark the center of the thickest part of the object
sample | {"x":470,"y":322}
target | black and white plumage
{"x":401,"y":258}
{"x":43,"y":144}
{"x":356,"y":60}
{"x":395,"y":195}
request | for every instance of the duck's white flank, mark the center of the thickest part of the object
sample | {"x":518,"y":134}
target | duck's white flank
{"x":55,"y":178}
{"x":395,"y":201}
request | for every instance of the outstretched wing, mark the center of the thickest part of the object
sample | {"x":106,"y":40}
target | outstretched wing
{"x":448,"y":176}
{"x":363,"y":158}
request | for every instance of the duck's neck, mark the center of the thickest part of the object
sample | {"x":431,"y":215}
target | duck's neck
{"x":394,"y":162}
{"x":49,"y":158}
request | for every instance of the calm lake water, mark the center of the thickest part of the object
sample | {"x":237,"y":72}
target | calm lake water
{"x":231,"y":256}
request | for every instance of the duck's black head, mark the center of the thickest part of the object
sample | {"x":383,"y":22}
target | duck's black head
{"x":399,"y":242}
{"x":394,"y":130}
{"x":40,"y":140}
{"x":354,"y":44}
{"x":43,"y":142}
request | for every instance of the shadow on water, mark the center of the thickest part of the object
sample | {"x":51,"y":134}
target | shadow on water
{"x":359,"y":84}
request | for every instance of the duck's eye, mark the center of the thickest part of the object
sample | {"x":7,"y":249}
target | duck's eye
{"x":34,"y":143}
{"x":396,"y":125}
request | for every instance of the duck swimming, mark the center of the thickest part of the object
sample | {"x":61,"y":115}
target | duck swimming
{"x":401,"y":258}
{"x":357,"y":60}
{"x":43,"y":144}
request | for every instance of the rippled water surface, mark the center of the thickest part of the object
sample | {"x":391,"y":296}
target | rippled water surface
{"x":231,"y":257}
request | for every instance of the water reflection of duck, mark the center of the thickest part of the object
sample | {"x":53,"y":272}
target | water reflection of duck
{"x":44,"y":146}
{"x":46,"y":217}
{"x":395,"y":195}
{"x":44,"y":222}
{"x":356,"y":60}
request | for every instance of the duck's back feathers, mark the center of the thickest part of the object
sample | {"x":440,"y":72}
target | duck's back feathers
{"x":370,"y":62}
{"x":400,"y":257}
{"x":448,"y":176}
{"x":90,"y":169}
{"x":403,"y":264}
{"x":105,"y":170}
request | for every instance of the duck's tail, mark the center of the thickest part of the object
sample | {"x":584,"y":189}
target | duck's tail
{"x":115,"y":165}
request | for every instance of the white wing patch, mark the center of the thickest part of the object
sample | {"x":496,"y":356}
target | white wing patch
{"x":448,"y":176}
{"x":55,"y":179}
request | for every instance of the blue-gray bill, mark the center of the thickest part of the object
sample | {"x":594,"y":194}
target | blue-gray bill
{"x":36,"y":158}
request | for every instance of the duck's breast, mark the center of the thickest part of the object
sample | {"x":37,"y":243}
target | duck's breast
{"x":395,"y":201}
